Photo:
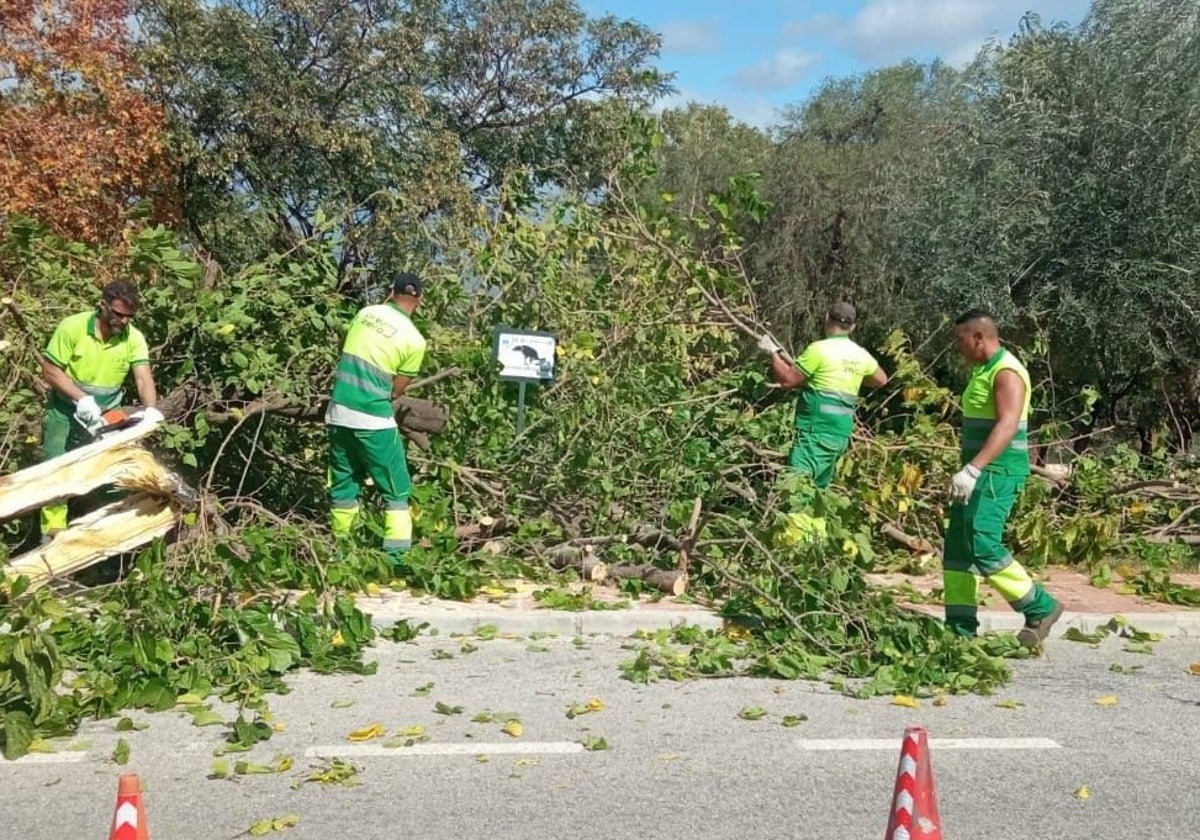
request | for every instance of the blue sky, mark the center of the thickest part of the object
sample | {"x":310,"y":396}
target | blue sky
{"x":756,"y":56}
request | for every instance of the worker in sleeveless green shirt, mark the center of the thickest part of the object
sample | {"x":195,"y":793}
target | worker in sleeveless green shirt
{"x":85,"y":365}
{"x":995,"y":466}
{"x":829,"y":374}
{"x":382,"y":353}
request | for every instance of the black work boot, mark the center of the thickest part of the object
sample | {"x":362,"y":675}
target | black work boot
{"x":1035,"y":631}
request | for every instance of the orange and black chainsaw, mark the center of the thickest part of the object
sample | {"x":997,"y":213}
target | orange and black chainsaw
{"x":116,"y":419}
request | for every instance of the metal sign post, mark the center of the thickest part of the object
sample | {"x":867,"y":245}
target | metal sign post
{"x":525,"y":356}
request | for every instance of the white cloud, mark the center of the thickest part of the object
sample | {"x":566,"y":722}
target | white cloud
{"x":886,"y":31}
{"x":690,"y":36}
{"x":786,"y":67}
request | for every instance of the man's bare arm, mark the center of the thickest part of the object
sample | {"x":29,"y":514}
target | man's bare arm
{"x":786,"y":373}
{"x":143,"y":377}
{"x":57,"y":379}
{"x":877,"y":379}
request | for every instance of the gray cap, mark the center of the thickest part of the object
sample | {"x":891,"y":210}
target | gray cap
{"x":842,"y":313}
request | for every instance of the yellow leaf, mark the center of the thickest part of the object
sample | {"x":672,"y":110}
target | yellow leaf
{"x":595,"y":705}
{"x":513,"y":728}
{"x":373,"y":589}
{"x":1109,"y":700}
{"x":1083,"y":794}
{"x":414,"y":731}
{"x":526,"y":762}
{"x":375,"y":730}
{"x":940,"y":700}
{"x":1194,"y":669}
{"x":1009,"y":704}
{"x":902,"y":700}
{"x":338,"y":639}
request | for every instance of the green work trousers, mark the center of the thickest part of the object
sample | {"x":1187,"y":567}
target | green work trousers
{"x":974,"y":548}
{"x":815,"y":455}
{"x":355,"y":455}
{"x":60,"y":434}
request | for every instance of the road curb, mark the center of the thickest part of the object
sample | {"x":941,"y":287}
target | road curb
{"x":521,"y":618}
{"x":1184,"y":624}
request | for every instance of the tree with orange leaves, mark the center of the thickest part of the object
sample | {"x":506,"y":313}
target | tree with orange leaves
{"x":82,"y":148}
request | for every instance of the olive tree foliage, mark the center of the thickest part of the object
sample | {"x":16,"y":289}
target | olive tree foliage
{"x":702,"y":147}
{"x":1067,"y":203}
{"x":388,"y":116}
{"x":838,"y":169}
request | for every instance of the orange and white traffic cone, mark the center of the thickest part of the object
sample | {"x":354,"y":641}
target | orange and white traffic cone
{"x":129,"y":819}
{"x":914,"y":814}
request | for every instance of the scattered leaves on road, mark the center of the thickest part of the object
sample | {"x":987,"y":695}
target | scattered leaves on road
{"x":591,"y":742}
{"x":577,"y":709}
{"x":906,"y":701}
{"x":443,"y":709}
{"x":513,"y":728}
{"x":1009,"y":704}
{"x":1107,"y":700}
{"x":341,"y":704}
{"x":337,"y":772}
{"x":422,"y":690}
{"x":752,"y":713}
{"x":366,"y":733}
{"x":126,"y":724}
{"x":793,"y":720}
{"x":1194,"y":669}
{"x":204,"y":716}
{"x":261,"y":827}
{"x":121,"y":753}
{"x":1083,"y":794}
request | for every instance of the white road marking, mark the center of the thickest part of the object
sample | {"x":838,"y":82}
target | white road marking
{"x":482,"y":748}
{"x":860,"y":744}
{"x":45,"y":758}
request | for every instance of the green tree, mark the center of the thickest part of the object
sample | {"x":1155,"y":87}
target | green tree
{"x":387,"y":116}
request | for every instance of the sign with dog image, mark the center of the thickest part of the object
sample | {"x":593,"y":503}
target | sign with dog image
{"x":525,"y":356}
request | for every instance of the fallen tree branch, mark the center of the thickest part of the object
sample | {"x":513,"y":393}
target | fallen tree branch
{"x":563,"y":557}
{"x":914,"y":544}
{"x":672,"y":582}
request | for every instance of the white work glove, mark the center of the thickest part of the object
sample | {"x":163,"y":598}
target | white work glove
{"x":768,"y":345}
{"x":963,"y":484}
{"x":87,"y":412}
{"x":151,"y":414}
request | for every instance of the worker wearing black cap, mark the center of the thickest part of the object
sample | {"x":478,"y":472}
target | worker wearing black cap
{"x":381,"y":355}
{"x":829,"y":374}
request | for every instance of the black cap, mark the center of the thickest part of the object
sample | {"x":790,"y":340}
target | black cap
{"x":407,"y":283}
{"x":842,"y":313}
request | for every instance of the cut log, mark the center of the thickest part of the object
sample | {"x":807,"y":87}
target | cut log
{"x":914,"y":544}
{"x":116,"y":458}
{"x":565,"y":557}
{"x":672,"y":582}
{"x":113,"y":529}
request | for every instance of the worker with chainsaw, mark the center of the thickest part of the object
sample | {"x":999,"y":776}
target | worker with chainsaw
{"x":85,"y":366}
{"x":382,"y":352}
{"x":829,"y":375}
{"x":994,"y":468}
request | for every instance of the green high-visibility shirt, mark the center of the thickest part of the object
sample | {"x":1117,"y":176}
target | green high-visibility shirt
{"x":834,"y":368}
{"x":97,"y":366}
{"x":382,"y":343}
{"x":979,"y":414}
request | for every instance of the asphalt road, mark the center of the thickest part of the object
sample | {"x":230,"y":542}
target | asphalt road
{"x":680,"y":762}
